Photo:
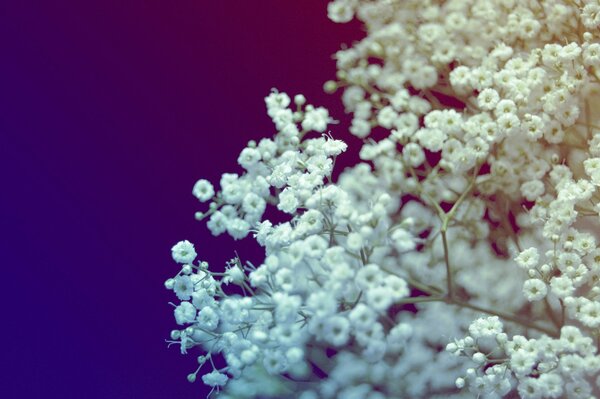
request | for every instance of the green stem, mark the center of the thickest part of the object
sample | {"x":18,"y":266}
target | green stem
{"x":449,"y":285}
{"x":420,"y":299}
{"x":416,"y":284}
{"x":446,"y":219}
{"x":551,"y":314}
{"x":505,"y":316}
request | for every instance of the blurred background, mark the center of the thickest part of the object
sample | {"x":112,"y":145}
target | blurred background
{"x":111,"y":110}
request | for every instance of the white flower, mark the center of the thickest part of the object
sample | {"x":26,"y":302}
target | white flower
{"x":431,"y":139}
{"x":334,"y":147}
{"x":522,"y":362}
{"x":287,"y":201}
{"x":592,"y":169}
{"x":361,"y":317}
{"x":508,"y":124}
{"x":368,"y":276}
{"x":249,"y":157}
{"x":315,"y":119}
{"x":485,"y":327}
{"x":208,"y":318}
{"x":275,"y":362}
{"x":217,"y":224}
{"x":238,"y":228}
{"x":185,"y":313}
{"x":398,"y":336}
{"x":310,"y":222}
{"x":337,"y":329}
{"x":284,"y":120}
{"x":528,"y":259}
{"x":254,"y":204}
{"x":379,"y":298}
{"x":403,"y":240}
{"x":530,"y":388}
{"x":276,"y":100}
{"x":591,"y":55}
{"x":568,"y":259}
{"x":584,"y":243}
{"x":215,"y":379}
{"x":562,"y":286}
{"x":397,"y":286}
{"x":234,"y":275}
{"x":533,"y":127}
{"x":413,"y":154}
{"x":589,"y":314}
{"x":579,"y":389}
{"x":360,"y":128}
{"x":534,"y":289}
{"x":488,"y":99}
{"x":203,"y":190}
{"x":340,"y":11}
{"x":183,"y":252}
{"x":354,"y":241}
{"x":183,"y":287}
{"x":386,"y":117}
{"x":532,"y":189}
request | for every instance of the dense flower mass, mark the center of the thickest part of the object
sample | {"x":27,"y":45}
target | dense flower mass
{"x":457,"y":258}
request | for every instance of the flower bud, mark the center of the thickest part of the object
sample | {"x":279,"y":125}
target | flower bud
{"x":186,"y":269}
{"x":452,"y":347}
{"x":299,"y":99}
{"x":545,"y":269}
{"x":501,"y":338}
{"x":330,"y":87}
{"x":479,"y":358}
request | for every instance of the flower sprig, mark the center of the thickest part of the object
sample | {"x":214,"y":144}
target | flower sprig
{"x":468,"y":222}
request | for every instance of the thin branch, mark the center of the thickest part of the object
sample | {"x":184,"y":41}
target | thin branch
{"x":506,"y":316}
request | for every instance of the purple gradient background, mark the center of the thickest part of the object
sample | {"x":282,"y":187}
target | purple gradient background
{"x":110,"y":112}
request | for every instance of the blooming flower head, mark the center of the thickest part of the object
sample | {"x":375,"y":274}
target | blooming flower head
{"x":183,"y":252}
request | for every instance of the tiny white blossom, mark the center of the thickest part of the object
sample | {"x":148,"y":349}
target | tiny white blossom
{"x":215,"y":379}
{"x":183,"y":252}
{"x":185,"y":313}
{"x":562,"y":286}
{"x":183,"y":287}
{"x":203,"y":190}
{"x":528,"y":259}
{"x":534,"y":289}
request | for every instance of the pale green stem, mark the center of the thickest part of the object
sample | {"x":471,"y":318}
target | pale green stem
{"x":446,"y":219}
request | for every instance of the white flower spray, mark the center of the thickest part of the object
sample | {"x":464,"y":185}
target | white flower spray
{"x":457,"y":258}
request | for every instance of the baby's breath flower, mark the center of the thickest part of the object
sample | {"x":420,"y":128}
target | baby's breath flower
{"x":183,"y":252}
{"x":478,"y":122}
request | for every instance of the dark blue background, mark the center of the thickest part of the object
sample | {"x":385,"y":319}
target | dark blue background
{"x":110,"y":112}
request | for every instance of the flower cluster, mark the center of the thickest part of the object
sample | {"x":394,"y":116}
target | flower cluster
{"x":468,"y":223}
{"x":546,"y":367}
